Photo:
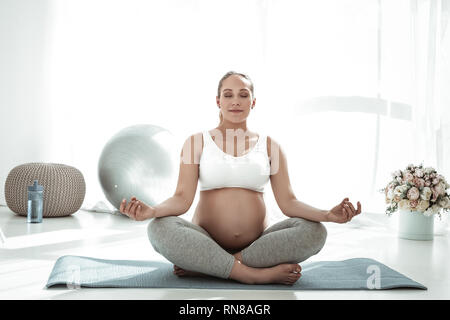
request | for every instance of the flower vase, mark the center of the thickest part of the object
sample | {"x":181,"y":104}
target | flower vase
{"x":414,"y":225}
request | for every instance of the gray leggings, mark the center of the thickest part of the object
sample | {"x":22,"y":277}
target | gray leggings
{"x":190,"y":247}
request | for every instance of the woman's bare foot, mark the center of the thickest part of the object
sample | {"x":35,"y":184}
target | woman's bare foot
{"x":282,"y":273}
{"x":186,"y":273}
{"x":285,"y":273}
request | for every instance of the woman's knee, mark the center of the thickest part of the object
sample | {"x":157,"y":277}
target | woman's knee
{"x":320,"y":236}
{"x":313,"y":232}
{"x":159,"y":228}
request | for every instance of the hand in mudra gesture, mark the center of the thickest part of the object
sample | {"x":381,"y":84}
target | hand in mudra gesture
{"x":343,"y":212}
{"x":136,"y":209}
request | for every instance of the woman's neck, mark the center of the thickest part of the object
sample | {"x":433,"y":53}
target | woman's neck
{"x":225,"y":125}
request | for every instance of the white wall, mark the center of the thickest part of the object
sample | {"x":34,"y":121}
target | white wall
{"x":74,"y":72}
{"x":24,"y":112}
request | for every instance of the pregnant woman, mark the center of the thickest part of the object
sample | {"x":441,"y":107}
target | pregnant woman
{"x":229,"y":236}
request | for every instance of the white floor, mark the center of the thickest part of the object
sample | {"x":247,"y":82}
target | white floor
{"x":29,"y":251}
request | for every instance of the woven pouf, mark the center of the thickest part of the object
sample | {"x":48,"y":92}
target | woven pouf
{"x":64,"y":188}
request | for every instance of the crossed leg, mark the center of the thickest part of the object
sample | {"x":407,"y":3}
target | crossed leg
{"x":272,"y":258}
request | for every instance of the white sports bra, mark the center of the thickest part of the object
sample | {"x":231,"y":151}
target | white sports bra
{"x":219,"y":169}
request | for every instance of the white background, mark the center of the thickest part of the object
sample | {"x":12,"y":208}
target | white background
{"x":330,"y":76}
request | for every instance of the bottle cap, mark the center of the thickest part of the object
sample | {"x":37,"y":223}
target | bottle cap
{"x":35,"y":187}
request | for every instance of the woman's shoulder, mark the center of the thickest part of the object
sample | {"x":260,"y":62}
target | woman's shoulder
{"x":195,"y":135}
{"x":272,"y":145}
{"x":193,"y":144}
{"x":271,"y":138}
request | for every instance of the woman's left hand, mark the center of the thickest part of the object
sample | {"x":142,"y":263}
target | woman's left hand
{"x":343,"y":212}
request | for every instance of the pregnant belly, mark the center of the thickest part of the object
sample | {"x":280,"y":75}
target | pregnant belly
{"x":233,"y":217}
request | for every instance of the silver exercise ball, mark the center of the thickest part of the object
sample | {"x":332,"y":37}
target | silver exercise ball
{"x":139,"y":161}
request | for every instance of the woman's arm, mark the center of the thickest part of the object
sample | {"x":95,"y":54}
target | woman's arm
{"x":287,"y":200}
{"x":296,"y":208}
{"x":282,"y":189}
{"x":184,"y":194}
{"x":173,"y":206}
{"x":186,"y":188}
{"x":341,"y":213}
{"x":139,"y":210}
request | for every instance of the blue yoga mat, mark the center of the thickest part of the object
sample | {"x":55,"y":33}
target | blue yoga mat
{"x":351,"y":274}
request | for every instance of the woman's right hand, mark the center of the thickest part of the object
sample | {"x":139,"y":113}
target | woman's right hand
{"x":136,"y":209}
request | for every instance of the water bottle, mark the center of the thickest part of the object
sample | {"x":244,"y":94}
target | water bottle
{"x":35,"y":203}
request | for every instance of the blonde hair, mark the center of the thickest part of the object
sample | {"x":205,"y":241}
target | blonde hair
{"x":228,"y":74}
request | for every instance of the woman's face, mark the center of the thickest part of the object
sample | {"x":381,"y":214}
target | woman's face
{"x":235,"y":99}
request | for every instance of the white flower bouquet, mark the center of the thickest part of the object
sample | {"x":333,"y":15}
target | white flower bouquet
{"x":417,"y":189}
